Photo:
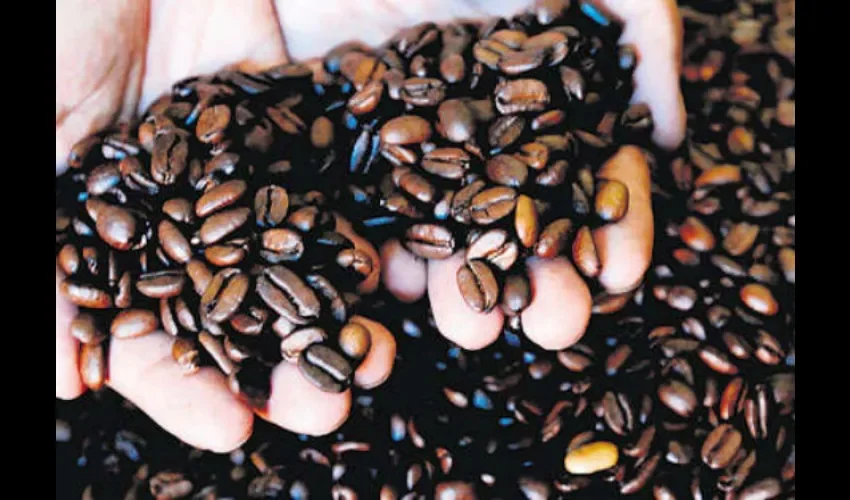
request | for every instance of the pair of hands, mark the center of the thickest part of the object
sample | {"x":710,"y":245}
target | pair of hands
{"x":115,"y":58}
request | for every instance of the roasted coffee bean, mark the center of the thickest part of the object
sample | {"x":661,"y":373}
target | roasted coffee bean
{"x":173,"y":242}
{"x":85,"y":295}
{"x":449,"y":163}
{"x":584,"y":253}
{"x":215,"y":350}
{"x":325,"y":368}
{"x":281,"y":245}
{"x":430,"y":241}
{"x":185,"y":352}
{"x":612,"y":200}
{"x":222,"y":224}
{"x":294,"y":343}
{"x":84,"y":328}
{"x":678,"y":397}
{"x":494,"y":247}
{"x":285,"y":292}
{"x":355,"y":341}
{"x":224,"y":294}
{"x":169,"y":157}
{"x":161,"y":284}
{"x":717,"y":361}
{"x":492,"y":204}
{"x":721,"y":446}
{"x":403,"y":130}
{"x":93,"y":365}
{"x":554,"y":238}
{"x":697,"y":235}
{"x":133,"y":323}
{"x":117,"y":227}
{"x":759,"y":299}
{"x":524,"y":95}
{"x":505,"y":131}
{"x":271,"y":205}
{"x":732,"y":400}
{"x":478,"y":285}
{"x":618,"y":413}
{"x":516,"y":294}
{"x":220,"y":197}
{"x":456,"y":121}
{"x":507,"y":171}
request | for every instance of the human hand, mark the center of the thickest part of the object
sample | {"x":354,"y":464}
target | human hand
{"x":113,"y":60}
{"x":560,"y":310}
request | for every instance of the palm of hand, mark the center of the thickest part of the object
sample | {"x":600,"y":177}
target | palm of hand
{"x":114,"y":61}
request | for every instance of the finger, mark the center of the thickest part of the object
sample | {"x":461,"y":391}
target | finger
{"x":195,"y":37}
{"x":68,"y":382}
{"x":625,"y":248}
{"x":370,"y":283}
{"x":405,"y":275}
{"x":99,"y":63}
{"x":654,"y":27}
{"x":312,"y":28}
{"x":199,"y":409}
{"x":299,"y":406}
{"x":378,"y":363}
{"x":560,"y":309}
{"x":455,"y":319}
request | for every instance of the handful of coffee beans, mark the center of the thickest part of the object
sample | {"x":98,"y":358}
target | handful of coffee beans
{"x":188,"y":223}
{"x":490,"y":138}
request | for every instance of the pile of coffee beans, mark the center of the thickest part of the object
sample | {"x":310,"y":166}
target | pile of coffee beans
{"x":685,"y":388}
{"x":490,"y":138}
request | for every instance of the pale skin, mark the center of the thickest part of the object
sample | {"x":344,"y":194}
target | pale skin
{"x":114,"y":58}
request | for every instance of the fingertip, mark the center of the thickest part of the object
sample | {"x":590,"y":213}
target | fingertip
{"x":455,"y":319}
{"x":559,"y":311}
{"x":625,"y":248}
{"x":299,"y":406}
{"x":405,"y":275}
{"x":378,"y":363}
{"x":199,"y":408}
{"x":69,"y":385}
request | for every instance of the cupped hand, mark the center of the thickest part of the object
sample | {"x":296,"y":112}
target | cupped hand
{"x":561,"y":306}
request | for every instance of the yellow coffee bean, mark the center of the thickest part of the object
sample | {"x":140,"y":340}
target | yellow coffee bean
{"x":591,"y":458}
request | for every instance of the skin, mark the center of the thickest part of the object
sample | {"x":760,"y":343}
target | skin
{"x":114,"y":58}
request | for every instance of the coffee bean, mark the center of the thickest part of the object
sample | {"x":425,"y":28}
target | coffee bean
{"x":224,"y":294}
{"x":407,"y":129}
{"x":85,"y":295}
{"x":325,"y":368}
{"x":218,"y":226}
{"x":507,"y":171}
{"x":584,"y":253}
{"x":678,"y":397}
{"x":162,"y":284}
{"x":505,"y":131}
{"x":524,"y":95}
{"x":458,"y":490}
{"x":294,"y":343}
{"x":449,"y":163}
{"x":591,"y":458}
{"x":612,"y":200}
{"x":456,"y":121}
{"x":554,"y":238}
{"x":117,"y":227}
{"x":717,"y":361}
{"x":93,"y":365}
{"x":516,"y":294}
{"x":185,"y":352}
{"x":355,"y":341}
{"x":169,"y":157}
{"x":492,"y":204}
{"x":478,"y":286}
{"x":285,"y":292}
{"x":219,"y":197}
{"x":721,"y":446}
{"x":759,"y":299}
{"x":429,"y":241}
{"x":133,"y":323}
{"x":271,"y":205}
